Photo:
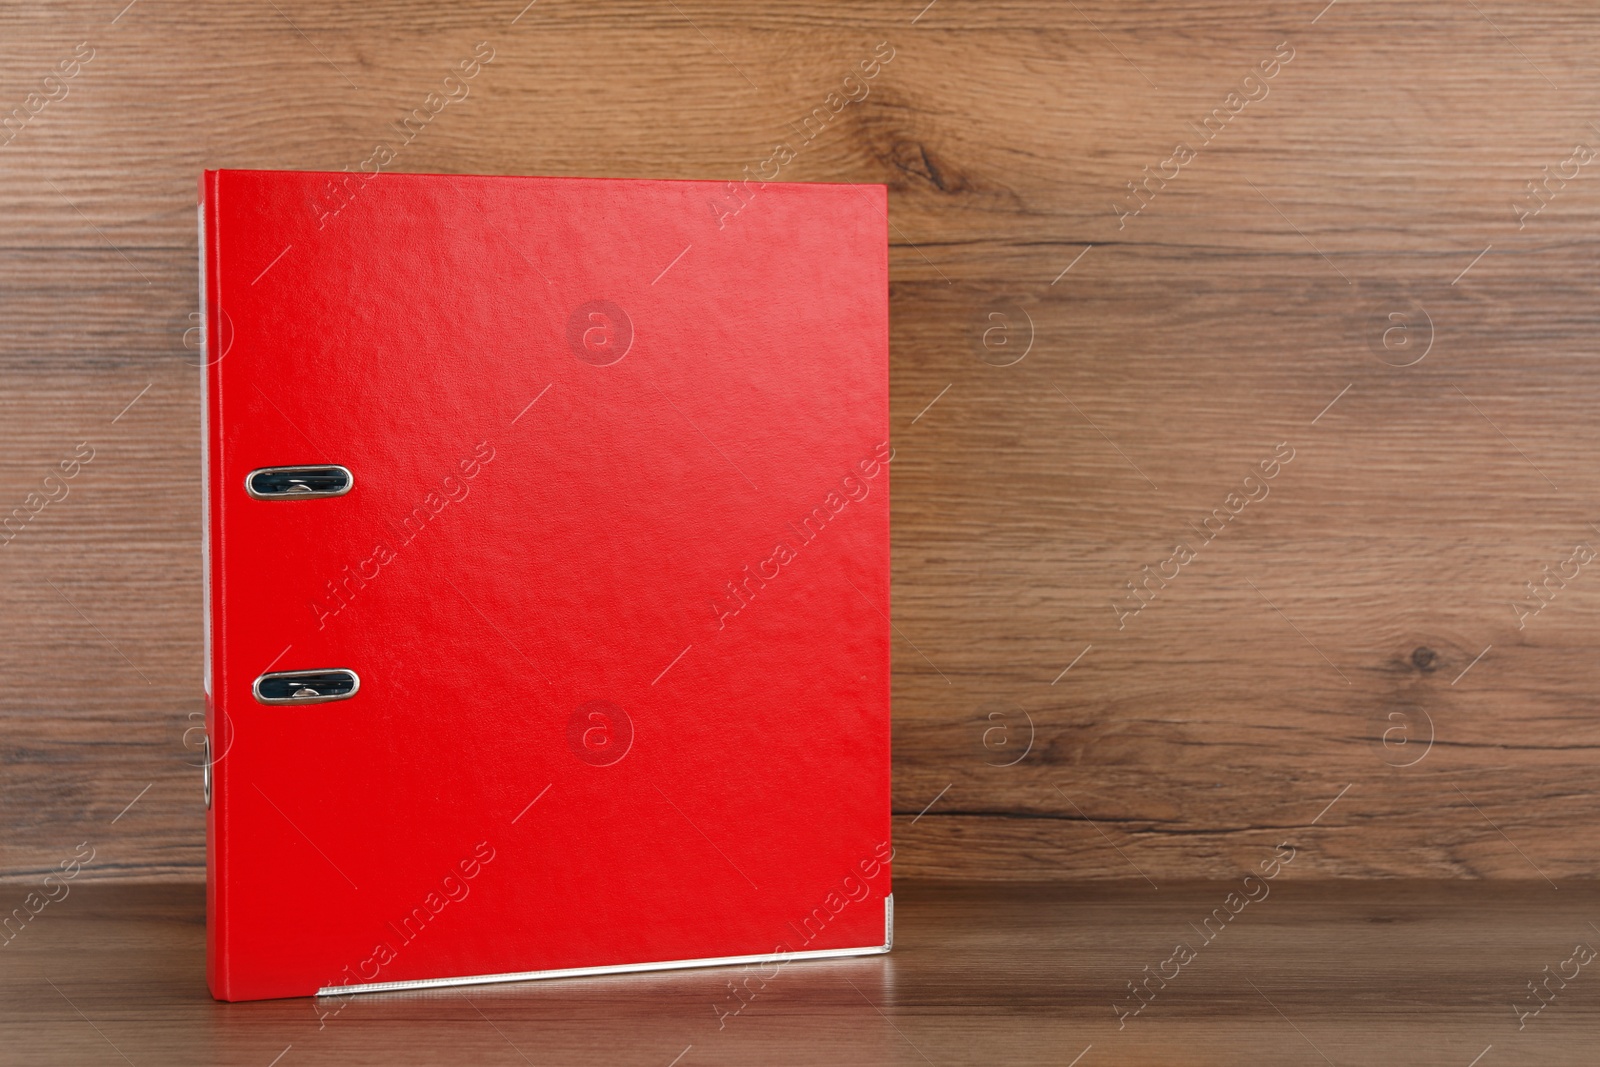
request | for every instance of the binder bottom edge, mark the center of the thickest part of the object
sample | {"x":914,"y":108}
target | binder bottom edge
{"x":625,"y":968}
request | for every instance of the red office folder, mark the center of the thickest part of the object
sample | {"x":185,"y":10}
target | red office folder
{"x":547,"y":562}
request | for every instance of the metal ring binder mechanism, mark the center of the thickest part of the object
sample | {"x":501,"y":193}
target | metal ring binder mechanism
{"x":306,"y":687}
{"x":608,"y":706}
{"x":299,"y":483}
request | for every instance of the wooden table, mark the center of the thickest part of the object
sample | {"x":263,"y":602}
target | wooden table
{"x":1394,"y":973}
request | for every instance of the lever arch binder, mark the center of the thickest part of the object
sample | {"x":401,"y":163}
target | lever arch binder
{"x":547,"y":577}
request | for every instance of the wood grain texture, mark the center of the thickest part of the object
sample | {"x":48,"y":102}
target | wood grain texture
{"x":1400,"y":973}
{"x":1334,"y":627}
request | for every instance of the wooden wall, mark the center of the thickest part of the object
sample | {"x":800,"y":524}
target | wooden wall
{"x":1350,"y":634}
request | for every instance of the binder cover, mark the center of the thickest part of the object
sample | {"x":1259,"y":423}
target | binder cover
{"x":547,"y":577}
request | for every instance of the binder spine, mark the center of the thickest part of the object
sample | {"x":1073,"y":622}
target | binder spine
{"x":205,"y":452}
{"x":212,"y":352}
